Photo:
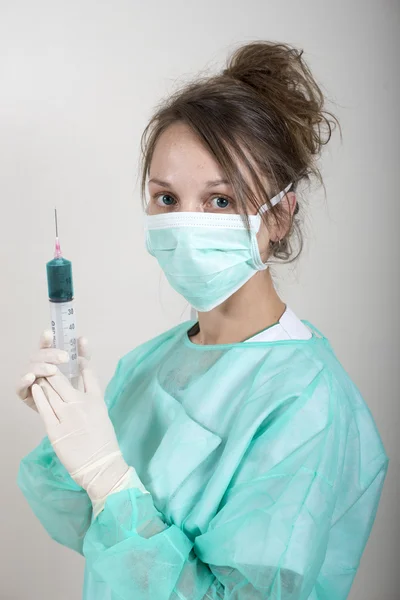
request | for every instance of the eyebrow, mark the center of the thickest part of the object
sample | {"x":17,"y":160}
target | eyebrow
{"x":208,"y":184}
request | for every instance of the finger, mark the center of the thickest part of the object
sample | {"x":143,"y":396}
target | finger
{"x":46,"y":339}
{"x":24,"y":384}
{"x":61,"y":386}
{"x":84,"y":348}
{"x":31,"y":403}
{"x":43,"y":369}
{"x":50,"y":355}
{"x":43,"y":406}
{"x":54,"y":399}
{"x":83,"y":363}
{"x":24,"y":392}
{"x":36,"y":370}
{"x":90,"y":382}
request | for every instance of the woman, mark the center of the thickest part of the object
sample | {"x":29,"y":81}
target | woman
{"x":231,"y":457}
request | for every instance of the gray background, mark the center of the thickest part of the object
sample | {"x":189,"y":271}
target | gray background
{"x":78,"y":81}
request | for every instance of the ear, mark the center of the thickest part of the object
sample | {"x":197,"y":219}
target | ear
{"x":288,"y":206}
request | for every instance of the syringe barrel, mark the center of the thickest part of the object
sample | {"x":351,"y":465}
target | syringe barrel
{"x":63,"y":317}
{"x":63,"y":326}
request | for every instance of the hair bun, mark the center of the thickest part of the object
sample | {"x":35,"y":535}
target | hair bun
{"x":278,"y":73}
{"x":255,"y":63}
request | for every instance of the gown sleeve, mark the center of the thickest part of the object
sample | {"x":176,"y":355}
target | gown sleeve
{"x":268,"y":538}
{"x":63,"y":507}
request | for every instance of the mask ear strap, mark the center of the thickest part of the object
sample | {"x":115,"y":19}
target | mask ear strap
{"x":274,"y":201}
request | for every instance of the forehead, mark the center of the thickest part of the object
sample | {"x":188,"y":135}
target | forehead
{"x":179,"y":151}
{"x":180,"y":156}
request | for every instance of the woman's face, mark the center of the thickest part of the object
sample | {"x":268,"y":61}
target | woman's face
{"x":185,"y":177}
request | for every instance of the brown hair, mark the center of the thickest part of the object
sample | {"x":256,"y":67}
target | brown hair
{"x":265,"y":110}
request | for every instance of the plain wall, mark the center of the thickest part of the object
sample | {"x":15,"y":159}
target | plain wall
{"x":78,"y":81}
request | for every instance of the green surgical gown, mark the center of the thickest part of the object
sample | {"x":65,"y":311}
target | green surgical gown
{"x":264,"y":468}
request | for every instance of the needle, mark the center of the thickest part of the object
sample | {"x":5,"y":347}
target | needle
{"x":57,"y":252}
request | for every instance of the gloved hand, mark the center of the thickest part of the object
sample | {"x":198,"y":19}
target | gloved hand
{"x":44,"y":364}
{"x":82,"y":435}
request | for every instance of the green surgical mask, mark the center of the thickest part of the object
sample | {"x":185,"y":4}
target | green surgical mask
{"x":206,"y":257}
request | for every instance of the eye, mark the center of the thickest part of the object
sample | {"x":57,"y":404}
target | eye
{"x":220,"y":202}
{"x":164,"y":200}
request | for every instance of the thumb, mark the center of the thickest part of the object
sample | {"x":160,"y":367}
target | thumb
{"x":90,"y":382}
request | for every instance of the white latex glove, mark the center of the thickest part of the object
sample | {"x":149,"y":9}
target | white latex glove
{"x":44,"y":364}
{"x":82,"y":435}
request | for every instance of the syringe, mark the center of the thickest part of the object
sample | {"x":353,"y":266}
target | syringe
{"x":63,"y":323}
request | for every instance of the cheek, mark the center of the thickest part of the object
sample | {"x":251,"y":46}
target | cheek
{"x":153,"y":208}
{"x":149,"y":210}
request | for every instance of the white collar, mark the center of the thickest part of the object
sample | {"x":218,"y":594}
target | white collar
{"x":289,"y":327}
